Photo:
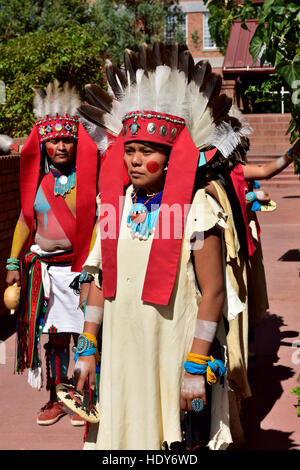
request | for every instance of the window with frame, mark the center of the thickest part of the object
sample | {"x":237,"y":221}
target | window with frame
{"x":208,"y":43}
{"x":175,"y":29}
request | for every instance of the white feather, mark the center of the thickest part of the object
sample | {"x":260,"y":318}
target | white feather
{"x":226,"y":138}
{"x":5,"y":142}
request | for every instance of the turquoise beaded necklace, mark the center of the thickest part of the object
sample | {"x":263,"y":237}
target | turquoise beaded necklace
{"x":63,"y":183}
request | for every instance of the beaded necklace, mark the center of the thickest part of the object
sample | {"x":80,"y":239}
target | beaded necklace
{"x":143,"y":214}
{"x":63,"y":183}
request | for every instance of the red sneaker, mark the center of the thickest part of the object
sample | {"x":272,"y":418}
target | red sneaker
{"x":51,"y":413}
{"x":77,"y":420}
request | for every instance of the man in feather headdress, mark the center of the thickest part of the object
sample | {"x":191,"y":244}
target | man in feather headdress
{"x":58,"y":174}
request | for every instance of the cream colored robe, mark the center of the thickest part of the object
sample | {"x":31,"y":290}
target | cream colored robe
{"x":145,"y":345}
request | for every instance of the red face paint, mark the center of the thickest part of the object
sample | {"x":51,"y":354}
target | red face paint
{"x":50,"y":151}
{"x":152,"y":167}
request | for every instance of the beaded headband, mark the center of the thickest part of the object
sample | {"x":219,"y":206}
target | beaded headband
{"x":151,"y":126}
{"x":57,"y":126}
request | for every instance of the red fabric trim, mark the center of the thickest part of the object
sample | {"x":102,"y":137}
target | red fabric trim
{"x":112,"y":189}
{"x":209,"y":154}
{"x":86,"y":192}
{"x":164,"y":256}
{"x":29,"y":175}
{"x":59,"y":206}
{"x":239,"y":183}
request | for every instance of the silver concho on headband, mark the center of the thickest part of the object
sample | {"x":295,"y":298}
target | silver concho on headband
{"x":151,"y":128}
{"x":173,"y":132}
{"x":163,"y":130}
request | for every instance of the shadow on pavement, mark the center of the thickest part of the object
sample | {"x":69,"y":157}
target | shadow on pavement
{"x":7,"y":326}
{"x":290,"y":255}
{"x":265,"y":379}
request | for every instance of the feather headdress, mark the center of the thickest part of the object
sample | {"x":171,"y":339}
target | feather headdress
{"x":164,"y":79}
{"x":56,"y":108}
{"x":55,"y":99}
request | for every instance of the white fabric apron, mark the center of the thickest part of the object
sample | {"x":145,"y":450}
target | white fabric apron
{"x":63,"y":312}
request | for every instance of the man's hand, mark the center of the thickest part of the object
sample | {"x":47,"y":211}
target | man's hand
{"x":13,"y":277}
{"x":85,"y":368}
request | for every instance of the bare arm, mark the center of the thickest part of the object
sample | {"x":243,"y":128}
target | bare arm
{"x":268,"y":170}
{"x":20,"y":237}
{"x":209,"y":272}
{"x":85,"y":366}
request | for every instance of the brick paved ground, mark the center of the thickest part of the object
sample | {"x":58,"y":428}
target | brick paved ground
{"x":269,"y":416}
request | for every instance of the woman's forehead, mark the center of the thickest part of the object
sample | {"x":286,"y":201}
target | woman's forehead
{"x":144,"y":144}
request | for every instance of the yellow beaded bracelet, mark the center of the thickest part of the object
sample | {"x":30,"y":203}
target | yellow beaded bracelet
{"x":92,"y":338}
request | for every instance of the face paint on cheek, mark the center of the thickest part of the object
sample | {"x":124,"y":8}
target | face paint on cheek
{"x":152,"y":167}
{"x":50,"y":151}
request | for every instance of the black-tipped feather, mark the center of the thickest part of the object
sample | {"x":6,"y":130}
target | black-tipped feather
{"x":92,"y":114}
{"x":211,"y":85}
{"x":201,"y":70}
{"x":220,"y":107}
{"x":116,"y":79}
{"x":186,"y":64}
{"x":99,"y":97}
{"x":130,"y":63}
{"x":159,"y":53}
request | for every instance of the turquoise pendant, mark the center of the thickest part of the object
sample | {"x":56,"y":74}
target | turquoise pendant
{"x":141,"y":221}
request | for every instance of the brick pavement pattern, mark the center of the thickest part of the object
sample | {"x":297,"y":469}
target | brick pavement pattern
{"x":269,"y":416}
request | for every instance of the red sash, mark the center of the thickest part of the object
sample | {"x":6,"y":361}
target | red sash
{"x":239,"y":183}
{"x":60,"y":208}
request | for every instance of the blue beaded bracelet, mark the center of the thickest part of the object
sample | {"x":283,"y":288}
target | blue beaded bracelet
{"x":87,"y":352}
{"x":251,"y":196}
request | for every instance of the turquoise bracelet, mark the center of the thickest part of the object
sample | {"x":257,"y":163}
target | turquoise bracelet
{"x":13,"y":261}
{"x":12,"y":267}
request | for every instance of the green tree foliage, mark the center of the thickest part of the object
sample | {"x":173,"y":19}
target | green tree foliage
{"x":222,"y":15}
{"x":40,"y":41}
{"x":19,"y":17}
{"x":296,"y":391}
{"x":276,"y":40}
{"x":69,"y":40}
{"x":35,"y":59}
{"x":128,"y":23}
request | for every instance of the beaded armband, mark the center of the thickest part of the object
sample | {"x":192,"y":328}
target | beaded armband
{"x":85,"y":277}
